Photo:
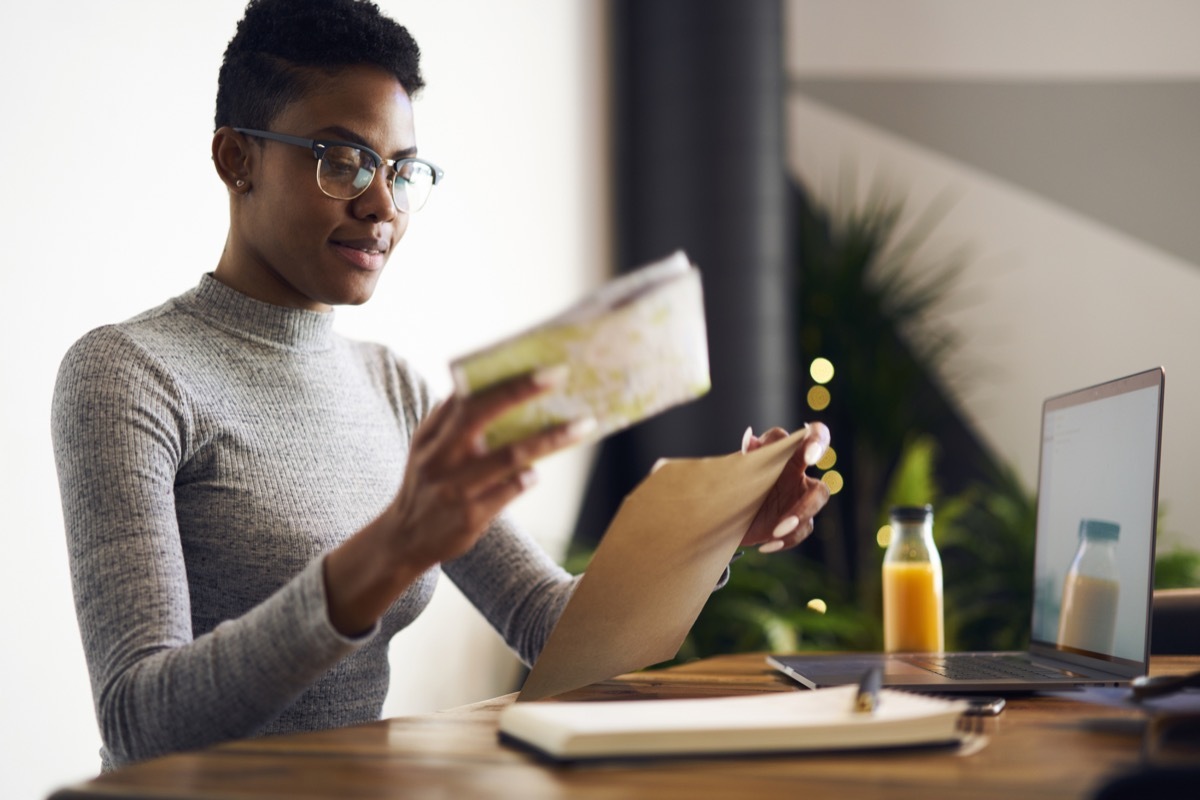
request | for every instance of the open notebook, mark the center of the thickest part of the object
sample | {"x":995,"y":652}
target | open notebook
{"x":1098,"y":472}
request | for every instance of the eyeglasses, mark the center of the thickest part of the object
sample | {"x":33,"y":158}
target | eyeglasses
{"x":346,"y":170}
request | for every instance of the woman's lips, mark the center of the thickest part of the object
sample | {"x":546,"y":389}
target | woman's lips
{"x":368,"y":254}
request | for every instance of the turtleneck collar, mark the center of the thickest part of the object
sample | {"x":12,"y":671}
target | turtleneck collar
{"x":232,"y":311}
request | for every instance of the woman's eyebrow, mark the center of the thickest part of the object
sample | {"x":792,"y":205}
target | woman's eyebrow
{"x":354,"y":138}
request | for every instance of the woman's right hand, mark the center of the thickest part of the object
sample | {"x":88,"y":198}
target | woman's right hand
{"x":453,"y":488}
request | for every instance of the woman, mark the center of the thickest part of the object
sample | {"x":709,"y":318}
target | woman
{"x":255,"y":505}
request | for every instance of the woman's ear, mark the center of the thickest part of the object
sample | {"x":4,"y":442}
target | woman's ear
{"x":232,"y":158}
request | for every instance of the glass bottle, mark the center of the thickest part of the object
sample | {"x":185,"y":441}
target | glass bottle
{"x":1091,"y":590}
{"x":913,"y":613}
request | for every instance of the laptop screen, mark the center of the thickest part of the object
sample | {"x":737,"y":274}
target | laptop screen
{"x":1096,"y":519}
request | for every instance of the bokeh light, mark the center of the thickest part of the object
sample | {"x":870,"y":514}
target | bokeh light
{"x":817,"y":605}
{"x":821,"y":370}
{"x":833,"y":479}
{"x":884,"y":536}
{"x":828,"y":460}
{"x":818,"y":398}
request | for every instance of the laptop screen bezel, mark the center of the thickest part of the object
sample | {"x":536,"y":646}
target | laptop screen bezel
{"x":1155,"y":377}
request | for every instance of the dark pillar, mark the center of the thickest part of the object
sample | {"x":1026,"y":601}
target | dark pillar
{"x":698,"y":90}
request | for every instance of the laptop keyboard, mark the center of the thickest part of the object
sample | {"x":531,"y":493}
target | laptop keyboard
{"x":987,"y":668}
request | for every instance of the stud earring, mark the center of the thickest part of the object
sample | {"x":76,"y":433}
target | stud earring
{"x":240,"y":183}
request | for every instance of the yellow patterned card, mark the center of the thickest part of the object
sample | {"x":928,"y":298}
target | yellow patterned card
{"x":635,"y":347}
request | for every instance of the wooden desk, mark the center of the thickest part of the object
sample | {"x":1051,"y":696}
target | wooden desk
{"x":1040,"y":748}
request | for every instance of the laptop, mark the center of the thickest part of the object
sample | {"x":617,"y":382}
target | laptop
{"x":1098,"y":469}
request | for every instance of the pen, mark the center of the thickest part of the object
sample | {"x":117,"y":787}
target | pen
{"x":866,"y":700}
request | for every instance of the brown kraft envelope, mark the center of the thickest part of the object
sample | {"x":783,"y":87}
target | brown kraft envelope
{"x":655,"y":567}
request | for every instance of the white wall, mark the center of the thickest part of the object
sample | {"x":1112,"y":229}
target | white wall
{"x":112,"y":207}
{"x":1052,"y":300}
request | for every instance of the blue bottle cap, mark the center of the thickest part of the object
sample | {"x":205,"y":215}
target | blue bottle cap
{"x":1099,"y":530}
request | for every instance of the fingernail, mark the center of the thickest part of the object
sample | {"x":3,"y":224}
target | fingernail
{"x":581,"y":427}
{"x":785,"y":526}
{"x":480,"y":446}
{"x":746,"y":437}
{"x":771,"y":547}
{"x":552,"y":377}
{"x":813,"y":453}
{"x":658,"y":464}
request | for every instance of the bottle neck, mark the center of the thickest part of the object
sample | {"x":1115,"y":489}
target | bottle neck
{"x":1096,"y":556}
{"x":912,"y":541}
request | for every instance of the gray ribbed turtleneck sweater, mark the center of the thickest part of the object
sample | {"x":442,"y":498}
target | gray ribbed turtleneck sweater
{"x":209,"y":452}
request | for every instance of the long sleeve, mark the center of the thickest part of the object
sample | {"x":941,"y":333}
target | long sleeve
{"x":515,"y":585}
{"x":120,"y":429}
{"x":210,"y":452}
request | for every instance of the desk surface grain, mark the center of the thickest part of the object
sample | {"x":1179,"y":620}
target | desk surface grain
{"x":1040,"y":747}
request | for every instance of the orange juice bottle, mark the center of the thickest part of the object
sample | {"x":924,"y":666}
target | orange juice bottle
{"x":913,"y":617}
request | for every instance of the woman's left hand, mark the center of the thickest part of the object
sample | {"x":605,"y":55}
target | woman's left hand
{"x":785,"y":517}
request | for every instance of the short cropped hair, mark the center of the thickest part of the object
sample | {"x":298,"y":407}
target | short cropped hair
{"x":269,"y":62}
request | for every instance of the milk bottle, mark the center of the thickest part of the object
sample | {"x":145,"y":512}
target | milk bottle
{"x":1091,"y":590}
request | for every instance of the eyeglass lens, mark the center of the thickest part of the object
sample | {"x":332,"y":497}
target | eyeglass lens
{"x":345,"y":172}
